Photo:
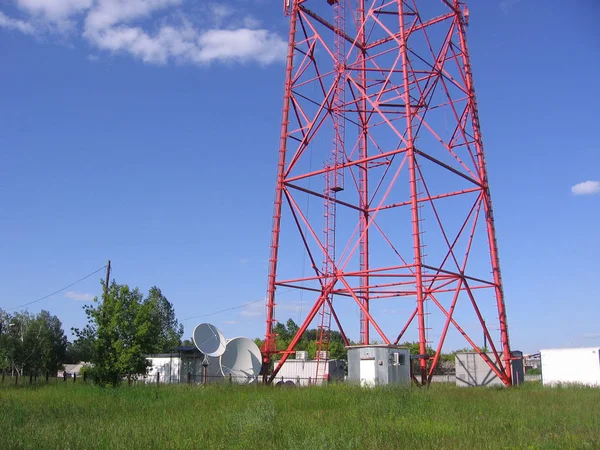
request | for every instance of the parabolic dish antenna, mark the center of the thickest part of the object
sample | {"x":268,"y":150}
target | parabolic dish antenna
{"x":242,"y":360}
{"x":209,"y":340}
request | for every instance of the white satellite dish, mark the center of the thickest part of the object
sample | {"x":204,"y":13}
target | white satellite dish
{"x":242,"y":360}
{"x":209,"y":340}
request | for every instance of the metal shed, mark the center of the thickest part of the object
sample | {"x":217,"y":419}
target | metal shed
{"x":372,"y":365}
{"x":473,"y":370}
{"x":571,"y":365}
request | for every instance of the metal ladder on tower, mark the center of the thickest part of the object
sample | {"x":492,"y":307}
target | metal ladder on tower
{"x":324,"y":326}
{"x":334,"y":183}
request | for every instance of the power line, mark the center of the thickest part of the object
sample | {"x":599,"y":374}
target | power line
{"x":233,"y":307}
{"x":224,"y":310}
{"x":56,"y":292}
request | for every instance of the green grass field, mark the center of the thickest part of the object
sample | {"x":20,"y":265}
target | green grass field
{"x":67,"y":416}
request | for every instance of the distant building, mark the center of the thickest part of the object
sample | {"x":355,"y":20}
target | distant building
{"x":72,"y":369}
{"x":571,"y":366}
{"x":532,"y":361}
{"x":174,"y":366}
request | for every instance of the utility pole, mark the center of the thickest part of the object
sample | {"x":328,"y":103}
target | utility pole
{"x":484,"y":338}
{"x":107,"y":278}
{"x":106,"y":286}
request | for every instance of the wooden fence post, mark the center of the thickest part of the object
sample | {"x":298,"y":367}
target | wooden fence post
{"x":30,"y":377}
{"x":74,"y":378}
{"x":17,"y":378}
{"x":65,"y":376}
{"x":189,"y":377}
{"x":157,"y":377}
{"x":47,"y":376}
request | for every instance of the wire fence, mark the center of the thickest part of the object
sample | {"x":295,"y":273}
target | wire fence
{"x":33,"y":378}
{"x":191,"y":378}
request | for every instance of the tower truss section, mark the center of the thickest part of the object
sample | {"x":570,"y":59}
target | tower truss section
{"x":380,"y":130}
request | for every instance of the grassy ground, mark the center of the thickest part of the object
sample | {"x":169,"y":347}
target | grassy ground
{"x":68,"y":416}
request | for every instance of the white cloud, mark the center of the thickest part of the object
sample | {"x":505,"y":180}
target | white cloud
{"x":243,"y":44}
{"x":54,"y":14}
{"x":185,"y":44}
{"x":219,"y":12}
{"x":79,"y":296}
{"x":54,"y":10}
{"x":107,"y":13}
{"x":251,"y":22}
{"x":105,"y":27}
{"x":148,"y":30}
{"x":586,"y":188}
{"x":291,"y":306}
{"x":14,"y":24}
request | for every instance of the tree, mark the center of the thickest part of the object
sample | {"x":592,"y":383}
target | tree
{"x":292,"y":328}
{"x":50,"y":352}
{"x":31,"y":343}
{"x":164,"y":323}
{"x":6,"y":342}
{"x":281,"y":331}
{"x":124,"y":327}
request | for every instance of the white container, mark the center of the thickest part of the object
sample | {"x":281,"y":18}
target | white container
{"x":571,"y":365}
{"x":299,"y":371}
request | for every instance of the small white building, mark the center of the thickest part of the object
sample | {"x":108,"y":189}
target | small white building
{"x":72,"y":369}
{"x":302,"y":371}
{"x":372,"y":365}
{"x":173,"y":367}
{"x":571,"y":365}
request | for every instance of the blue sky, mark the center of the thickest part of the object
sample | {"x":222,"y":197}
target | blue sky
{"x":148,"y":135}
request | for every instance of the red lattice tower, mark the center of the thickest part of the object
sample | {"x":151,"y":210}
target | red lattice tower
{"x":380,"y":124}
